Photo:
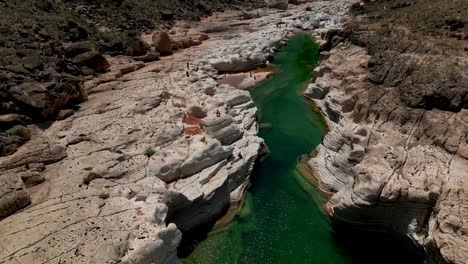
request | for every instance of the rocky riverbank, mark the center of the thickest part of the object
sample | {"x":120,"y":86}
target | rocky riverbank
{"x":49,"y":48}
{"x":158,"y":147}
{"x":395,"y":99}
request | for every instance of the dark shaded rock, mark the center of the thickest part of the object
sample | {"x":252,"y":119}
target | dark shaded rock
{"x":74,"y":31}
{"x":34,"y":95}
{"x":32,"y":178}
{"x":297,"y":2}
{"x":151,"y":55}
{"x":215,"y":28}
{"x":332,"y":38}
{"x":65,"y":113}
{"x":47,"y":5}
{"x":10,"y":120}
{"x":113,"y":47}
{"x":167,"y":15}
{"x":13,"y":202}
{"x":20,"y":131}
{"x":13,"y":197}
{"x":204,"y":8}
{"x":136,"y":46}
{"x":281,"y":4}
{"x":455,"y":24}
{"x":74,"y":49}
{"x":162,"y":42}
{"x":93,"y":60}
{"x":43,"y":100}
{"x":87,"y":71}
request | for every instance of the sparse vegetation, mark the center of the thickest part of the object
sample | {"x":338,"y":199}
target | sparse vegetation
{"x":149,"y":152}
{"x":384,"y":31}
{"x":404,"y":120}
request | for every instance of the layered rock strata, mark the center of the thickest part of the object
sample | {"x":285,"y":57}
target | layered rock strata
{"x":396,"y":154}
{"x":158,"y":148}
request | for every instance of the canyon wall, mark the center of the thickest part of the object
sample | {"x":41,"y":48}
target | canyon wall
{"x":395,"y":99}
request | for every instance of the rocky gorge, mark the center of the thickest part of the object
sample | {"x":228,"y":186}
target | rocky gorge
{"x":158,"y":145}
{"x":155,"y":149}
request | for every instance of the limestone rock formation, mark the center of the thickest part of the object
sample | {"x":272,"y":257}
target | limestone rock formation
{"x":395,"y":158}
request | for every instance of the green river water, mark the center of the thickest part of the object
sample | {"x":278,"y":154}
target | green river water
{"x":282,"y":219}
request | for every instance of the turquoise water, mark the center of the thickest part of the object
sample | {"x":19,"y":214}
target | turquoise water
{"x":282,"y":220}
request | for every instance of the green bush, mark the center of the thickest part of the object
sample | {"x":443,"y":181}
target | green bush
{"x":149,"y":152}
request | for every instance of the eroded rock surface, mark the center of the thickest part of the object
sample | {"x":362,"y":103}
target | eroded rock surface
{"x":395,"y":157}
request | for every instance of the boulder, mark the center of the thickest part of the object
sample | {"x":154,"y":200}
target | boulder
{"x":20,"y":131}
{"x":162,"y":42}
{"x":13,"y":202}
{"x":10,"y":120}
{"x":281,"y":4}
{"x":211,"y":91}
{"x":196,"y":111}
{"x":93,"y":60}
{"x":8,"y":144}
{"x":136,"y":46}
{"x":34,"y":94}
{"x":45,"y":99}
{"x":32,"y":178}
{"x":72,"y":50}
{"x":13,"y":196}
{"x":167,"y":14}
{"x":74,"y":31}
{"x":151,"y":55}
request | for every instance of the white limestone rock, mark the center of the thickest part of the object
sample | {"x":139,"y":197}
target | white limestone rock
{"x":387,"y":174}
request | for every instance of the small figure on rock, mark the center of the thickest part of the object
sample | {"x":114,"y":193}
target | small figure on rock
{"x":187,"y":73}
{"x":218,"y":114}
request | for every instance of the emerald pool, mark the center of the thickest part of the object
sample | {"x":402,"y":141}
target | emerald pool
{"x":282,"y":219}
